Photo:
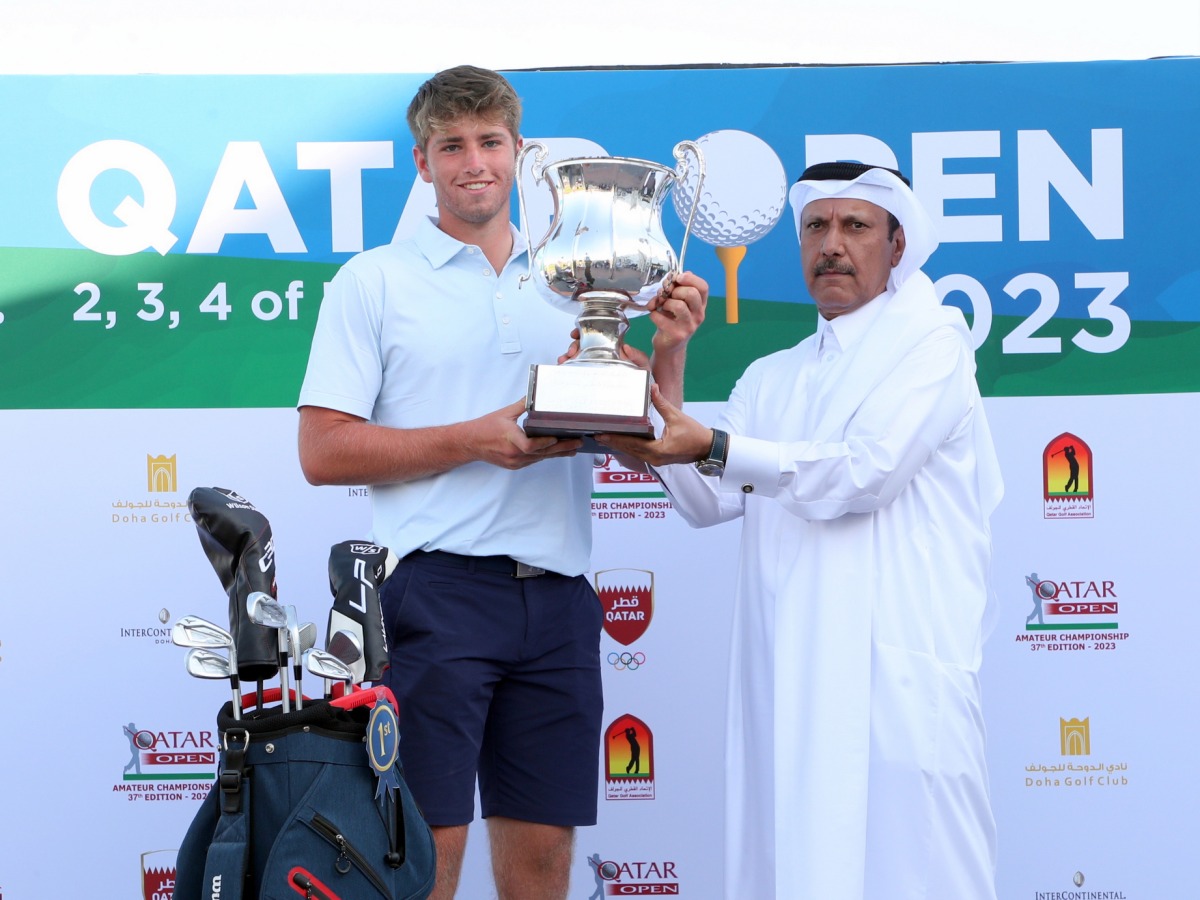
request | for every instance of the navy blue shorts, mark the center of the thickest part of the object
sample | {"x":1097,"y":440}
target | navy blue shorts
{"x":496,"y":677}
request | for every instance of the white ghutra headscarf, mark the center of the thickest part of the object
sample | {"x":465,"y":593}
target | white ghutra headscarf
{"x":887,"y":189}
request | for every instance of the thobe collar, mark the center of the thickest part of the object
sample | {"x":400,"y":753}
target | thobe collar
{"x":836,"y":336}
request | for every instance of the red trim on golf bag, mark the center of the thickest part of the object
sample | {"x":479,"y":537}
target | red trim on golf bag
{"x":361,"y":697}
{"x":307,"y":885}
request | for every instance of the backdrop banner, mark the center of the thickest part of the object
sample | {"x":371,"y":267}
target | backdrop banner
{"x":164,"y":246}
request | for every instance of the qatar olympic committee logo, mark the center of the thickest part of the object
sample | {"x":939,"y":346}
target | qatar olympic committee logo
{"x":627,"y":598}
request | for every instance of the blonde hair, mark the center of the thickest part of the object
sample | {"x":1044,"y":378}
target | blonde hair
{"x":463,"y":92}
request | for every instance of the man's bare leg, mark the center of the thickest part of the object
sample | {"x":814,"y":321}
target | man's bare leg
{"x":530,"y":861}
{"x":451,"y":841}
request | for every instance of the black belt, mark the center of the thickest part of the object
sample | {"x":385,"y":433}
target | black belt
{"x":505,"y":565}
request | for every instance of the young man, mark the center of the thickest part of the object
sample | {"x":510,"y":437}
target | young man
{"x":415,"y":384}
{"x":862,"y":466}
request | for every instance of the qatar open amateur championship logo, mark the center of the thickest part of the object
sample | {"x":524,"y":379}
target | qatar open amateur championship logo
{"x":167,"y":766}
{"x":627,"y":598}
{"x":628,"y":760}
{"x":632,"y":878}
{"x":158,"y":874}
{"x":621,"y":495}
{"x":1075,"y":768}
{"x":157,"y":506}
{"x":1067,"y":486}
{"x":1071,"y":615}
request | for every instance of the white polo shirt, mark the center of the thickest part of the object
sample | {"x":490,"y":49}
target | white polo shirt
{"x":423,"y":332}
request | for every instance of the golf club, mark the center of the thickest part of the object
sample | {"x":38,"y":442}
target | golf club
{"x":325,"y":665}
{"x":264,"y":609}
{"x":346,"y":646}
{"x":306,"y":638}
{"x":206,"y":664}
{"x":196,"y":633}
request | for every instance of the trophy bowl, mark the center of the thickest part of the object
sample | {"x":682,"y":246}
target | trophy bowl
{"x":604,"y":258}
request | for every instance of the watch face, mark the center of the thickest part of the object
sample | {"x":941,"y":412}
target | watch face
{"x":710,"y":467}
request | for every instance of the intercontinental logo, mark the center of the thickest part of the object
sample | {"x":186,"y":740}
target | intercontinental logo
{"x":1080,"y":890}
{"x":1075,"y":768}
{"x":1071,"y":615}
{"x":1067,"y":486}
{"x":158,"y":506}
{"x":628,"y":760}
{"x":157,"y":633}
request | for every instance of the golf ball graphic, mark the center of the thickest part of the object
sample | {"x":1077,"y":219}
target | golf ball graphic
{"x":744,"y":191}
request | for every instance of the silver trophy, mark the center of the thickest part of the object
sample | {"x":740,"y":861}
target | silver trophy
{"x":604,"y":258}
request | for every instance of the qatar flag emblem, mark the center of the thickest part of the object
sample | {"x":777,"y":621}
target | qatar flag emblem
{"x":627,"y":597}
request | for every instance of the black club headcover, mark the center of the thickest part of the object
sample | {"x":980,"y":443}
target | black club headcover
{"x":237,"y":539}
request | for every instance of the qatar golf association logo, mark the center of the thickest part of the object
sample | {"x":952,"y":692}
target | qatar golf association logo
{"x":1067,"y":485}
{"x":628,"y":760}
{"x":158,"y":874}
{"x":156,"y":507}
{"x":627,"y":598}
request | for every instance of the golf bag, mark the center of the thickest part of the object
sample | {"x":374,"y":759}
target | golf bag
{"x":299,"y":810}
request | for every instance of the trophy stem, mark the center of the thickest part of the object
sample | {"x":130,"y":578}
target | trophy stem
{"x":602,"y":326}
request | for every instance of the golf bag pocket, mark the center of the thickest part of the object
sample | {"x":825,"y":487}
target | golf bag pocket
{"x":298,"y":789}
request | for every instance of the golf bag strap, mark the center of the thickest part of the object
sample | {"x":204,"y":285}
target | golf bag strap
{"x":234,"y":771}
{"x":229,"y":852}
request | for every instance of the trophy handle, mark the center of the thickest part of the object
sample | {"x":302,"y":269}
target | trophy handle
{"x":538,"y":171}
{"x":681,"y":170}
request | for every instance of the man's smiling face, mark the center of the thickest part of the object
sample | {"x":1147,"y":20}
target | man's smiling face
{"x":471,"y":165}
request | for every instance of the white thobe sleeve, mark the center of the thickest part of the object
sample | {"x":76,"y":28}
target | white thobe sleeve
{"x":699,"y":499}
{"x":902,"y":421}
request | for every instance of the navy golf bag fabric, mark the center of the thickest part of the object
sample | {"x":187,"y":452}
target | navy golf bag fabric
{"x":237,"y":540}
{"x":294,"y":814}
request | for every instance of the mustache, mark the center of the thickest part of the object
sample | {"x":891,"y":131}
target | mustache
{"x":832,"y":265}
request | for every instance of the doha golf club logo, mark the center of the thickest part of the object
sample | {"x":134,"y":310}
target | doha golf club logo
{"x":156,"y":506}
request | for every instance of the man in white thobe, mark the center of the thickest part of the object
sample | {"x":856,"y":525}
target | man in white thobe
{"x":862,"y":466}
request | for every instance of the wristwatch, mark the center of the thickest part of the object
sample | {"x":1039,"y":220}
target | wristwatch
{"x":714,"y":463}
